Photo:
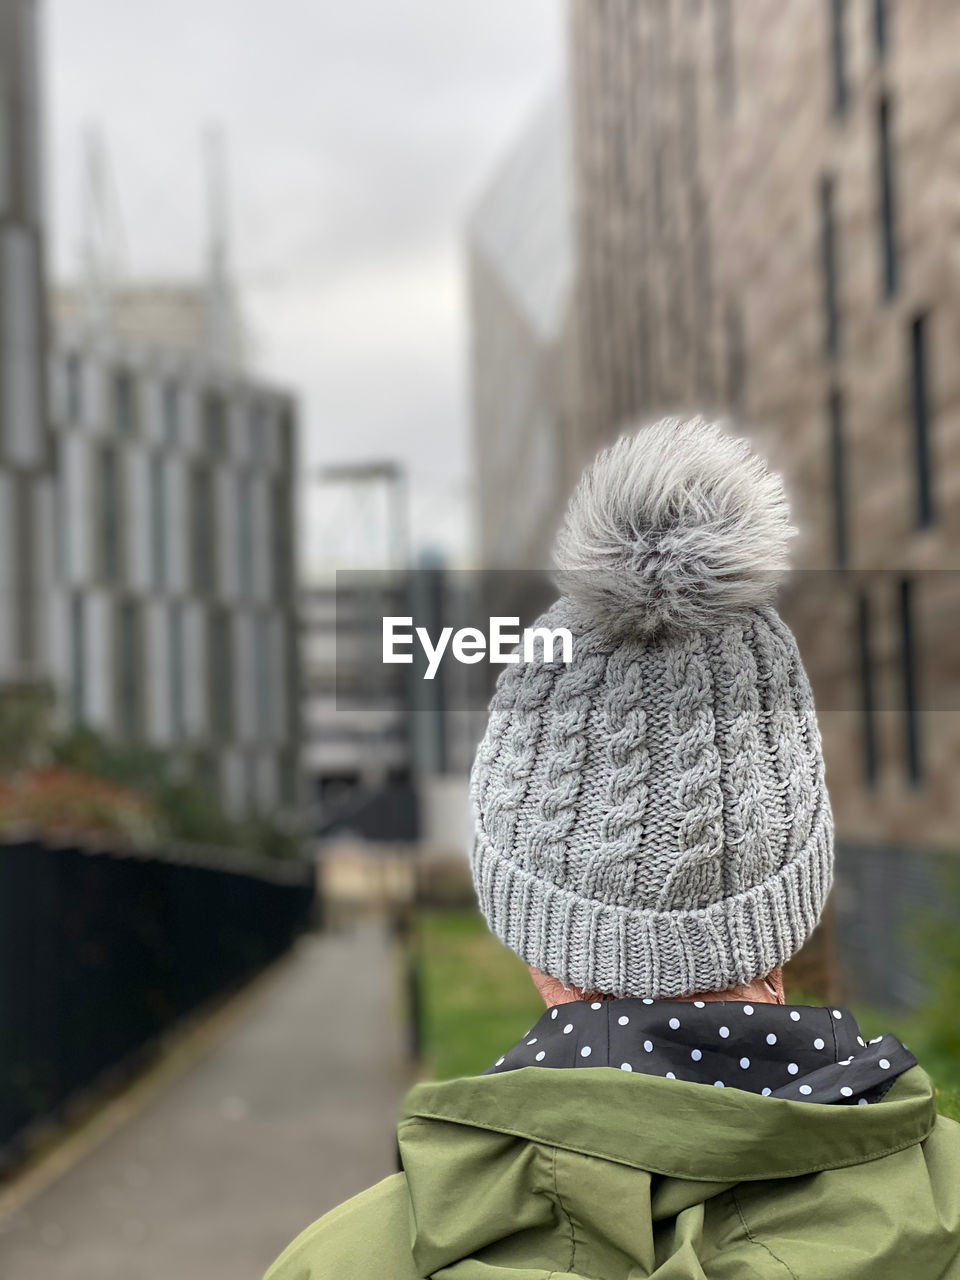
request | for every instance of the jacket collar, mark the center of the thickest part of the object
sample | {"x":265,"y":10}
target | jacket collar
{"x":803,"y":1053}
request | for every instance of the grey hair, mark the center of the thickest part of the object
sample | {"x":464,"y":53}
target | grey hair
{"x":679,"y":526}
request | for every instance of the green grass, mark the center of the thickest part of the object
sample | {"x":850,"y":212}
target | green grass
{"x":478,"y":1000}
{"x":477,"y":996}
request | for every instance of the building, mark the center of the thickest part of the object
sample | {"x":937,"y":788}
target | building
{"x":356,"y":734}
{"x":765,"y":200}
{"x":26,"y":479}
{"x":176,"y":600}
{"x":521,"y":263}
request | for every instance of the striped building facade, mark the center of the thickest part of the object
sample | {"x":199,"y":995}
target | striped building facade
{"x":26,"y":480}
{"x":176,"y":592}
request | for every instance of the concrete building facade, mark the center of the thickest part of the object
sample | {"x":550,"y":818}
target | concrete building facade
{"x":176,"y":599}
{"x":766,"y":206}
{"x":26,"y":482}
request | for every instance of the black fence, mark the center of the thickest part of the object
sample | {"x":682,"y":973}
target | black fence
{"x":100,"y":953}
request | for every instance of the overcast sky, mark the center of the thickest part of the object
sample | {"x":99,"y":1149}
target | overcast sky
{"x":359,"y":132}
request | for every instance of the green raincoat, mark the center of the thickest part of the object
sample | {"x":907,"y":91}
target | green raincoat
{"x":604,"y":1175}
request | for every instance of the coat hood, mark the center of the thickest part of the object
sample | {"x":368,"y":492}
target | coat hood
{"x":620,"y":1166}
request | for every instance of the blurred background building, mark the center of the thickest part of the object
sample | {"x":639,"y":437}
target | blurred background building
{"x":26,"y":475}
{"x":764,"y":226}
{"x":521,"y":265}
{"x":177,"y":582}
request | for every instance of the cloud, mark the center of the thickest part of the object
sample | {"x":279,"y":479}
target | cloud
{"x":358,"y":134}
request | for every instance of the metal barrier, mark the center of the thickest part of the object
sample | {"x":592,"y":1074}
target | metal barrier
{"x":100,"y":952}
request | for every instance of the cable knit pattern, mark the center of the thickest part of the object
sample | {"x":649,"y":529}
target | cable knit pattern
{"x":696,"y":874}
{"x":519,"y":745}
{"x":611,"y":872}
{"x":652,"y":819}
{"x":738,"y":718}
{"x":567,"y":744}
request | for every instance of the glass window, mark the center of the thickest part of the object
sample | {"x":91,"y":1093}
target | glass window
{"x":828,"y":243}
{"x":124,"y":403}
{"x":261,"y":664}
{"x":838,"y":476}
{"x":245,"y":539}
{"x":725,"y":68}
{"x":73,"y":377}
{"x":920,"y":400}
{"x":78,"y":660}
{"x":888,"y":230}
{"x":158,"y":521}
{"x":838,"y":53}
{"x":867,"y":707}
{"x":282,"y":541}
{"x":110,"y":514}
{"x":258,"y":435}
{"x":170,"y":413}
{"x":176,"y":646}
{"x":736,"y":357}
{"x":128,"y":671}
{"x":221,"y":675}
{"x":908,"y":671}
{"x":881,"y":27}
{"x":202,"y":529}
{"x":214,"y":426}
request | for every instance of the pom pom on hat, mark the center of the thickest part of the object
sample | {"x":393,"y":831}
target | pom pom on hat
{"x":677,"y":527}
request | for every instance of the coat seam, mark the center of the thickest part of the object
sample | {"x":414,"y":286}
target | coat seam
{"x":563,"y":1209}
{"x":760,"y":1243}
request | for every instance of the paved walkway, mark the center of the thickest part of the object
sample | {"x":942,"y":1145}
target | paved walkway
{"x":291,"y":1113}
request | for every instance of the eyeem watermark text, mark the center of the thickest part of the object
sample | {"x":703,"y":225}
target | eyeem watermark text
{"x":499,"y":644}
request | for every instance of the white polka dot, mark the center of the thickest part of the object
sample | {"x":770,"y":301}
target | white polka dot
{"x":805,"y":1088}
{"x":861,"y":1102}
{"x":724,"y":1032}
{"x":771,"y":1038}
{"x":499,"y":1062}
{"x":766,"y":1092}
{"x":718,"y":1084}
{"x":625,"y":1066}
{"x":846,"y":1091}
{"x":623,"y":1020}
{"x":861,"y":1042}
{"x":884,"y":1064}
{"x":846,"y":1062}
{"x":876,"y":1039}
{"x":647,"y":1000}
{"x":568,"y":1028}
{"x":837,"y":1013}
{"x":696,"y":1055}
{"x":553,"y":1013}
{"x":748,"y":1009}
{"x":792,"y":1068}
{"x":670,"y":1076}
{"x":794,"y":1016}
{"x":744,"y":1063}
{"x":586,"y":1051}
{"x":648,"y":1045}
{"x":597,"y":1004}
{"x":541,"y":1055}
{"x":533,"y":1041}
{"x":818,"y":1043}
{"x":698,"y":1004}
{"x":674,"y":1024}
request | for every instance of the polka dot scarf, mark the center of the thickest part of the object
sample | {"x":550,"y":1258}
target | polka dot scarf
{"x":798,"y":1052}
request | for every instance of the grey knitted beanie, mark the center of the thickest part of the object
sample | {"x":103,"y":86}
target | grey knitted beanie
{"x":651,"y":818}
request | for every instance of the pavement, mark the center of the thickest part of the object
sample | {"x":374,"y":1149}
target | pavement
{"x":290,"y":1112}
